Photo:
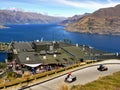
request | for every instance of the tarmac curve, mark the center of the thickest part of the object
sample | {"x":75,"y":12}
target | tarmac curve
{"x":84,"y":76}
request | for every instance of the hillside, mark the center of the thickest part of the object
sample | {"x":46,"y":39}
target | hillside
{"x":19,"y":17}
{"x":111,"y":82}
{"x":72,"y":19}
{"x":102,"y":21}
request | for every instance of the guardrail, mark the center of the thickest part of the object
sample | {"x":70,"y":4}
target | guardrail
{"x":86,"y":66}
{"x":29,"y":78}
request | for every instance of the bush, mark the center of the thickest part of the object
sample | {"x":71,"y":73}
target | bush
{"x":3,"y":65}
{"x":10,"y":74}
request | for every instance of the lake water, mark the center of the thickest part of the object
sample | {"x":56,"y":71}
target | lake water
{"x":3,"y":56}
{"x":56,"y":32}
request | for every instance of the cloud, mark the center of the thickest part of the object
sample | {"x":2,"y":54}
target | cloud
{"x":14,"y":9}
{"x":88,"y":4}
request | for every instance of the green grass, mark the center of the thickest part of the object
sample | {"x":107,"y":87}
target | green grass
{"x":111,"y":82}
{"x":75,"y":50}
{"x":3,"y":46}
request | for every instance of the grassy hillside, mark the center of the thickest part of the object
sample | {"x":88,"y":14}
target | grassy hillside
{"x":111,"y":82}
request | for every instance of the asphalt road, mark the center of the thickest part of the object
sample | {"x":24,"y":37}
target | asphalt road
{"x":83,"y":76}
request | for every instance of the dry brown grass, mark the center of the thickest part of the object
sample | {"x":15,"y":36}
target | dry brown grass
{"x":111,"y":82}
{"x":63,"y":86}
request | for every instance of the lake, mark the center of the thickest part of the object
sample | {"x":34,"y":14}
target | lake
{"x":3,"y":56}
{"x":48,"y":32}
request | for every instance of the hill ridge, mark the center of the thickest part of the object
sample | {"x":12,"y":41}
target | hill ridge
{"x":102,"y":21}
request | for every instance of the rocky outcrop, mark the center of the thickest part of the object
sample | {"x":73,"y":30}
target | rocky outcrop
{"x":103,"y":21}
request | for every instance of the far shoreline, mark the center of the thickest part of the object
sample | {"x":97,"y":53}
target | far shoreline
{"x":3,"y":27}
{"x":92,"y":33}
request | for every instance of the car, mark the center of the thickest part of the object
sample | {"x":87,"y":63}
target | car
{"x":102,"y":68}
{"x":70,"y":78}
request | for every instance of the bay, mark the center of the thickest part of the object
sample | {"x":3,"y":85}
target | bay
{"x":49,"y":32}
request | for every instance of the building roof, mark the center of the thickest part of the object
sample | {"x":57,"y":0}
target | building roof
{"x":25,"y":52}
{"x":42,"y":43}
{"x":28,"y":58}
{"x":22,"y":45}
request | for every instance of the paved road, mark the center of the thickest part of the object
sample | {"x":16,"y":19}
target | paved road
{"x":83,"y":76}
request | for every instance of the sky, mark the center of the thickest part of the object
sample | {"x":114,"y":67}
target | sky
{"x":62,"y":8}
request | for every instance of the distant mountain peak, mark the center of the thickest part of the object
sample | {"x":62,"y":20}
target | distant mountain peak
{"x":16,"y":16}
{"x":117,"y":6}
{"x":14,"y":9}
{"x":108,"y":12}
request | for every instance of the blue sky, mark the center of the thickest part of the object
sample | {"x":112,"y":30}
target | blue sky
{"x":65,"y":8}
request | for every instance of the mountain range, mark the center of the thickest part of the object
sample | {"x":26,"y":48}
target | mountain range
{"x":72,"y":19}
{"x":20,"y":17}
{"x":102,"y":21}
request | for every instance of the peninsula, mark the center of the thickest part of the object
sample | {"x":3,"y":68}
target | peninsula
{"x":2,"y":27}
